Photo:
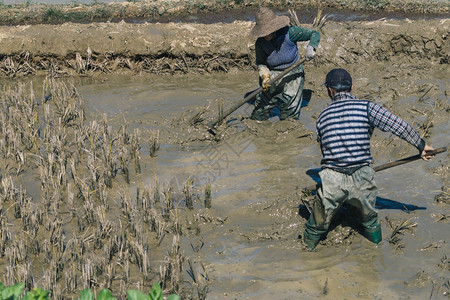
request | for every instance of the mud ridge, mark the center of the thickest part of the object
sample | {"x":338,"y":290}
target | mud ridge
{"x":174,"y":48}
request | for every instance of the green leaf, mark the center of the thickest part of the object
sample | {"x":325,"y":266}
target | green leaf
{"x":86,"y":294}
{"x":105,"y":294}
{"x":12,"y":292}
{"x":156,"y":292}
{"x":37,"y":294}
{"x":174,"y":297}
{"x":137,"y":295}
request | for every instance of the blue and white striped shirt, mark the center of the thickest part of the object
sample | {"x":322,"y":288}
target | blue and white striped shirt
{"x":344,"y":129}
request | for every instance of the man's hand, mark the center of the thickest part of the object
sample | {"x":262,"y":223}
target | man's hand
{"x":265,"y":81}
{"x":424,"y":152}
{"x":310,"y":52}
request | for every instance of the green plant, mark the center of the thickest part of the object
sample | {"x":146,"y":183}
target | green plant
{"x":103,"y":294}
{"x":53,"y":14}
{"x":37,"y":294}
{"x":101,"y":13}
{"x":155,"y":293}
{"x":11,"y":292}
{"x":15,"y":292}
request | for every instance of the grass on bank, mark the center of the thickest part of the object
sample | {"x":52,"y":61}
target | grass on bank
{"x":36,"y":13}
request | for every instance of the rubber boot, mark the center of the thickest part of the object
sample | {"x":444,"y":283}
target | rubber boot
{"x":373,"y":234}
{"x":313,"y":231}
{"x":310,"y":243}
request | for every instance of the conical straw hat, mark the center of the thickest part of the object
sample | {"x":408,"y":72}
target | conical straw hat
{"x":267,"y":22}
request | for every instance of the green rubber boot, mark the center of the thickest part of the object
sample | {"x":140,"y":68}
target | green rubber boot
{"x":310,"y":243}
{"x":373,"y":234}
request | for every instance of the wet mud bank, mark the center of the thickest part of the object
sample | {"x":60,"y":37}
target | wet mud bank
{"x":174,"y":48}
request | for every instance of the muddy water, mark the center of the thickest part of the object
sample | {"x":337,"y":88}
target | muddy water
{"x":250,"y":235}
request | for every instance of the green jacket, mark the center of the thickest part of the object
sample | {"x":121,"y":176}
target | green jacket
{"x":296,"y":34}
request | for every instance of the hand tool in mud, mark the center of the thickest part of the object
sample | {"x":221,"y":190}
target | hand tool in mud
{"x":217,"y":120}
{"x":402,"y":161}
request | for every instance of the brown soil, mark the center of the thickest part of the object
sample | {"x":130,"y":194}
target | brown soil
{"x":173,"y":48}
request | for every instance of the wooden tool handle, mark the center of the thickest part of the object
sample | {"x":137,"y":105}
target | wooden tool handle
{"x":213,"y":123}
{"x":389,"y":165}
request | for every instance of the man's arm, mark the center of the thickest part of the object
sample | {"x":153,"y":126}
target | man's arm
{"x":386,"y":121}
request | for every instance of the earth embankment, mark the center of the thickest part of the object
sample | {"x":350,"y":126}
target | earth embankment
{"x":189,"y":47}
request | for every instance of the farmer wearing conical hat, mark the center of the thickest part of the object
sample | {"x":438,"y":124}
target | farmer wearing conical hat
{"x":276,"y":50}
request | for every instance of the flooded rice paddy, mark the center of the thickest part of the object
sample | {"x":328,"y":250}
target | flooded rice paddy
{"x":246,"y":245}
{"x":107,"y":181}
{"x":251,"y":250}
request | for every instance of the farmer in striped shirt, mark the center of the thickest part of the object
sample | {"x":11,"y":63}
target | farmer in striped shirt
{"x":344,"y":129}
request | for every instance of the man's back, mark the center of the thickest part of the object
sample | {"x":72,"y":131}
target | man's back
{"x":344,"y":131}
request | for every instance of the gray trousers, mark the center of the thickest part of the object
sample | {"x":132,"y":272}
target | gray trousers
{"x":358,"y":189}
{"x":286,"y":92}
